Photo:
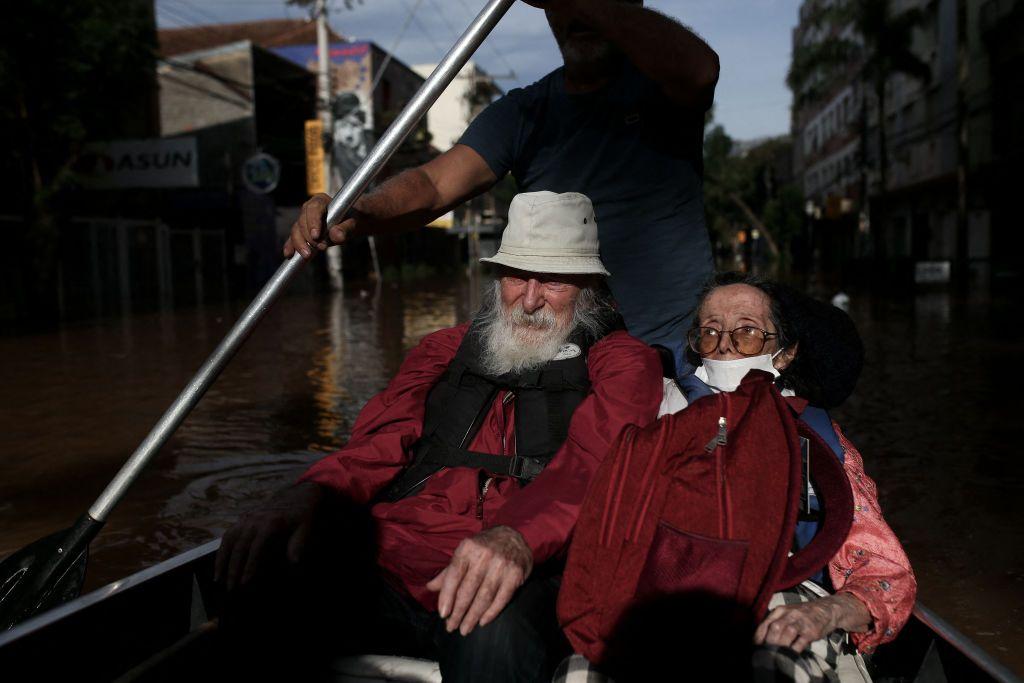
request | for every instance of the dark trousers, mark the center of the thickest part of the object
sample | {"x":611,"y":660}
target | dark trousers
{"x":294,"y":621}
{"x":523,"y":643}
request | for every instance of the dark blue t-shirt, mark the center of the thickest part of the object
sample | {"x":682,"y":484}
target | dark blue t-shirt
{"x":637,"y":156}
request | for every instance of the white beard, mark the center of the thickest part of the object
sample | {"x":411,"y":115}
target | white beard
{"x":516,"y":341}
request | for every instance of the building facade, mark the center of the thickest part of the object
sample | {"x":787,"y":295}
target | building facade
{"x":994,"y":106}
{"x":939,"y":140}
{"x":369,"y":88}
{"x":471,"y":91}
{"x":246,"y":107}
{"x":466,"y":96}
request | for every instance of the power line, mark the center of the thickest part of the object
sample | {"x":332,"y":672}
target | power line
{"x":190,"y":22}
{"x":493,"y":47}
{"x":419,"y":24}
{"x":282,"y":85}
{"x":167,"y":22}
{"x":175,"y":18}
{"x":444,"y":17}
{"x":242,"y":102}
{"x":279,"y":3}
{"x":394,"y":46}
{"x":185,"y":14}
{"x":279,"y":84}
{"x":197,"y":11}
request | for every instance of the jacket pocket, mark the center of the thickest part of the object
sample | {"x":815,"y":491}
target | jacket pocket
{"x":680,"y":561}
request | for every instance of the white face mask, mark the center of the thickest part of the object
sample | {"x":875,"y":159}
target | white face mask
{"x":726,"y":375}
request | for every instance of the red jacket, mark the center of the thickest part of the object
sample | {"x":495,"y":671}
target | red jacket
{"x":417,"y":535}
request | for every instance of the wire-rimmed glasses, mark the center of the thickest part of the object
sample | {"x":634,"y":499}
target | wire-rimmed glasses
{"x":747,"y":340}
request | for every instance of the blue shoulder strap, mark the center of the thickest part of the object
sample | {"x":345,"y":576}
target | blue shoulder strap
{"x":693,"y":388}
{"x":818,"y":419}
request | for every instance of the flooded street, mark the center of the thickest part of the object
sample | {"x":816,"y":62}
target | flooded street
{"x":936,"y":415}
{"x":76,"y":403}
{"x":938,"y":418}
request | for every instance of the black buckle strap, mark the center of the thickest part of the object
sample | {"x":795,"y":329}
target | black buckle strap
{"x":526,"y":469}
{"x":523,"y":468}
{"x":432,"y":455}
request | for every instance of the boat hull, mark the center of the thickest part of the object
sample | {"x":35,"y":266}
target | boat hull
{"x":157,"y":623}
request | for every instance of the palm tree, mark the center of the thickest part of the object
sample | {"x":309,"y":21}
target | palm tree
{"x":883,"y":49}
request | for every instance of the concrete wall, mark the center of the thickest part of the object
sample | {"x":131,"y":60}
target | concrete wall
{"x":206,"y":88}
{"x":454,"y":109}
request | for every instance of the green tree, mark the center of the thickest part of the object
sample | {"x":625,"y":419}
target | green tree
{"x":70,"y":72}
{"x":744,"y":189}
{"x":785,"y":214}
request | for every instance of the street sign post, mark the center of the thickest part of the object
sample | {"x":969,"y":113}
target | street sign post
{"x":316,"y":180}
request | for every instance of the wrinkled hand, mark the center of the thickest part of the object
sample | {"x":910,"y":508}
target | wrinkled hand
{"x":284,"y":521}
{"x":797,"y":626}
{"x":485,"y":571}
{"x":310,"y":231}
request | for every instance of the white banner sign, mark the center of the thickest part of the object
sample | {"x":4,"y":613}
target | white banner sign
{"x":155,"y":162}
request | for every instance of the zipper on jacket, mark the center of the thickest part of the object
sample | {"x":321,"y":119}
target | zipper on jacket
{"x":505,"y":400}
{"x":721,"y":438}
{"x":480,"y":499}
{"x":715,"y":446}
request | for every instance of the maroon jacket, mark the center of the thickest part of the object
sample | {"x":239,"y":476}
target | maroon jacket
{"x":417,"y":535}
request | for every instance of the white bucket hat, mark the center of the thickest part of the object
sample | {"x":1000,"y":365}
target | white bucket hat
{"x":550,"y":233}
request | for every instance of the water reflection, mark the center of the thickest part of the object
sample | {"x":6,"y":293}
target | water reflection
{"x":78,"y":401}
{"x":937,"y":416}
{"x":328,"y":373}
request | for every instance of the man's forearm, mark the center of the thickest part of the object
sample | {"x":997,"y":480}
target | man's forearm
{"x":660,"y":47}
{"x":417,"y":196}
{"x":405,"y":201}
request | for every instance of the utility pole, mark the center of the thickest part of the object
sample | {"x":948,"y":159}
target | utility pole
{"x":962,"y":262}
{"x":323,"y":102}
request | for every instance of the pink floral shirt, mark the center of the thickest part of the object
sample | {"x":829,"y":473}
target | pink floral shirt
{"x":871,"y":564}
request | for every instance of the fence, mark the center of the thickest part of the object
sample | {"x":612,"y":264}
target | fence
{"x":118,"y":265}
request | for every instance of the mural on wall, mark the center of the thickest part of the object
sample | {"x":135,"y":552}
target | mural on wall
{"x":351,"y":80}
{"x":352,"y":134}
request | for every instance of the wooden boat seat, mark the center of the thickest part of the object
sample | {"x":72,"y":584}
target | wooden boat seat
{"x":377,"y":668}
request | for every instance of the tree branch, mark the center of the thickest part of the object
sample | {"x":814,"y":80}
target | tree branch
{"x":757,"y":223}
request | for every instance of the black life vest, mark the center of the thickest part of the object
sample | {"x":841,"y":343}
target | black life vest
{"x":456,"y":406}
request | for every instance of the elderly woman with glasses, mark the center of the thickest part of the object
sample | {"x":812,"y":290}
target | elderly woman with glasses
{"x":866,"y":592}
{"x":745,"y":323}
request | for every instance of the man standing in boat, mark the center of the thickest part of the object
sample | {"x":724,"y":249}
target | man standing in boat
{"x":622,"y":122}
{"x":475,"y":460}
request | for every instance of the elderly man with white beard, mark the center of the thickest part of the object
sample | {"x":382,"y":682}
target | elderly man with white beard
{"x":472,"y":464}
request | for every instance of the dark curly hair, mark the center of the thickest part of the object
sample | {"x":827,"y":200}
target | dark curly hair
{"x":831,"y":355}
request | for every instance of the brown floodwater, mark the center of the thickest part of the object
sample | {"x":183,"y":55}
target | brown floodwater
{"x":936,"y":416}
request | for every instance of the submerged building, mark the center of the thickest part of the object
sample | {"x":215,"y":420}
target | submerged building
{"x":945,"y":141}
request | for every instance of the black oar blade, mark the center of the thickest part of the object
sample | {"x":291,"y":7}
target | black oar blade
{"x":45,"y":574}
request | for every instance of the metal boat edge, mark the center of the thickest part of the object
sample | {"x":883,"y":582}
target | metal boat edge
{"x":112,"y":589}
{"x":940,"y":629}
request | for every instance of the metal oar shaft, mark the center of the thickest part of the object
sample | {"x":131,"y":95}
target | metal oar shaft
{"x":339,"y":206}
{"x":439,"y":79}
{"x":194,"y":390}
